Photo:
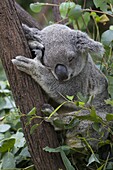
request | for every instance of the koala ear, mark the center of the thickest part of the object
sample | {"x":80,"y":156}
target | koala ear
{"x":84,"y":44}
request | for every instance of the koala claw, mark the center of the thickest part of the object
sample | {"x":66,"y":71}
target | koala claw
{"x":35,"y":45}
{"x":23,"y":63}
{"x":47,"y":109}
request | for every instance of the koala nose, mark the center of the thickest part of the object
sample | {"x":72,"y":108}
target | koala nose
{"x":61,"y":72}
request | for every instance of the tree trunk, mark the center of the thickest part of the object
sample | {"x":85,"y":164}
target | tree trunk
{"x":26,"y":92}
{"x":56,"y":12}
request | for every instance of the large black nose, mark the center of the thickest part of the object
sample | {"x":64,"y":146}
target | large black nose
{"x":61,"y":72}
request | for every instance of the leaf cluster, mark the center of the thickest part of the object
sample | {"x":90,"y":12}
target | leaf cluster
{"x":13,"y":150}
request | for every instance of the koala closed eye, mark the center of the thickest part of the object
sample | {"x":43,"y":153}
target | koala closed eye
{"x":71,"y":58}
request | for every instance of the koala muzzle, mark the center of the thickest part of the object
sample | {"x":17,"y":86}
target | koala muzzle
{"x":61,"y":72}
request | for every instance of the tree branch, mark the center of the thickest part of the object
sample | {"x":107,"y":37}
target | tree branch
{"x":25,"y":17}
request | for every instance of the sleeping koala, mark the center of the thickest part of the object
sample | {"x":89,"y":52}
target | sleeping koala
{"x":66,"y":66}
{"x":63,"y":66}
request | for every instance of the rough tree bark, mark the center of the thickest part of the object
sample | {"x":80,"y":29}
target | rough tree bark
{"x":25,"y":91}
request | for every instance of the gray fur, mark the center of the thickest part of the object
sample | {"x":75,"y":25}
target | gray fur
{"x":71,"y":51}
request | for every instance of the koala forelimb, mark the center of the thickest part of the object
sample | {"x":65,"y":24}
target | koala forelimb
{"x":66,"y":67}
{"x":63,"y":66}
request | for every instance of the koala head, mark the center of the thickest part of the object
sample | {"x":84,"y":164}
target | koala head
{"x":67,"y":50}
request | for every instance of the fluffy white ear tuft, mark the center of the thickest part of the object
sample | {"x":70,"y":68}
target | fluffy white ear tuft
{"x":84,"y":44}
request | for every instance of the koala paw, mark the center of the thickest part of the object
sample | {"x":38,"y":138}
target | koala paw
{"x":24,"y":64}
{"x":35,"y":45}
{"x":47,"y":109}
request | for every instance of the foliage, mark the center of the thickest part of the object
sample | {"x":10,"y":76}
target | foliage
{"x":13,"y":150}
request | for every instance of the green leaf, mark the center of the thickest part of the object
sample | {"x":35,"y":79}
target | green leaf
{"x":59,"y":123}
{"x":20,"y":140}
{"x":4,"y":127}
{"x":75,"y":13}
{"x":32,"y":112}
{"x":110,"y":90}
{"x":65,"y":7}
{"x":7,"y":144}
{"x":8,"y":161}
{"x":1,"y":136}
{"x":110,"y":80}
{"x":82,"y":98}
{"x":110,"y":85}
{"x":96,"y":126}
{"x":92,"y":159}
{"x":25,"y":153}
{"x":107,"y":37}
{"x":94,"y":116}
{"x":33,"y":128}
{"x":57,"y":109}
{"x":48,"y":149}
{"x":66,"y":161}
{"x":102,"y":4}
{"x":109,"y":117}
{"x":58,"y":149}
{"x":109,"y":166}
{"x":111,"y":27}
{"x":70,"y":97}
{"x":86,"y":18}
{"x":103,"y":18}
{"x":101,"y":167}
{"x":36,"y":7}
{"x":74,"y":122}
{"x":109,"y":101}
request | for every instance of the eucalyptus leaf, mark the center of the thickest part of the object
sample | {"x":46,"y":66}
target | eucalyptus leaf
{"x":59,"y":123}
{"x":92,"y":159}
{"x":109,"y":101}
{"x":110,"y":90}
{"x":7,"y":144}
{"x":8,"y":161}
{"x":101,"y":167}
{"x":101,"y":4}
{"x":2,"y":103}
{"x":4,"y":127}
{"x":58,"y":149}
{"x":1,"y":136}
{"x":66,"y":161}
{"x":25,"y":152}
{"x":65,"y":8}
{"x":103,"y":18}
{"x":61,"y":149}
{"x":75,"y":13}
{"x":20,"y":140}
{"x":107,"y":37}
{"x":32,"y":112}
{"x":94,"y":116}
{"x":48,"y":149}
{"x":111,"y":27}
{"x":109,"y":117}
{"x":33,"y":128}
{"x":96,"y":126}
{"x":70,"y":97}
{"x":36,"y":7}
{"x":82,"y":98}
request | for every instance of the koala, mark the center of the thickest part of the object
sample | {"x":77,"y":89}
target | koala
{"x":63,"y":66}
{"x":66,"y":67}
